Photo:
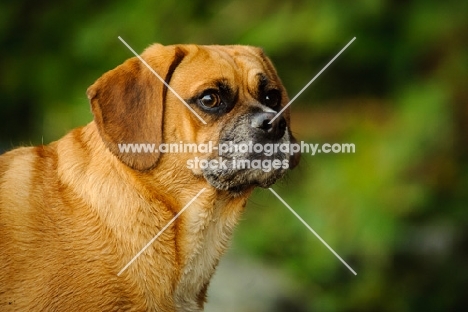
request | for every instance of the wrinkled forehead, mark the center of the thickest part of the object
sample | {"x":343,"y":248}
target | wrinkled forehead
{"x":236,"y":64}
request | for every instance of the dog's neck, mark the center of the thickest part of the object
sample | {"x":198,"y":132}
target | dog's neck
{"x":147,"y":201}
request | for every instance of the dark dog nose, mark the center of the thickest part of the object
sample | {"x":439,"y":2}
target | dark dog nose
{"x":272,"y":131}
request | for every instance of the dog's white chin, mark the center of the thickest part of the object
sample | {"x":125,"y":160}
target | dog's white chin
{"x":238,"y":180}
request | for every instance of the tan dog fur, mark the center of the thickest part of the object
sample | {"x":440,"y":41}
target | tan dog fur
{"x":75,"y":212}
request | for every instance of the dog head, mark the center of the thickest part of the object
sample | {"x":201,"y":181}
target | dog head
{"x":234,"y":89}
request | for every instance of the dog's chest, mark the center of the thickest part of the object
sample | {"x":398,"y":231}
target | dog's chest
{"x":206,"y":235}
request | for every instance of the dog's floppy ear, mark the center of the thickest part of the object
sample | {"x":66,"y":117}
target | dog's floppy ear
{"x":128,"y":103}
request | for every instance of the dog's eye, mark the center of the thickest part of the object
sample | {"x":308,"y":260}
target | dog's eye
{"x":209,"y":100}
{"x":272,"y":98}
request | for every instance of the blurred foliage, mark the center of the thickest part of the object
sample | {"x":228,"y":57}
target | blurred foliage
{"x":396,"y":210}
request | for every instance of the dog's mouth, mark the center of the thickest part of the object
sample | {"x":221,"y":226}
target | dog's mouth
{"x":240,"y":185}
{"x":253,"y":150}
{"x":239,"y":171}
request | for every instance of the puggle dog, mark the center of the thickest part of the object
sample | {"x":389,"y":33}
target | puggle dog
{"x":75,"y":212}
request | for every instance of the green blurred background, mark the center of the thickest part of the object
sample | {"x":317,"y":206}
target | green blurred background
{"x":396,"y":210}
